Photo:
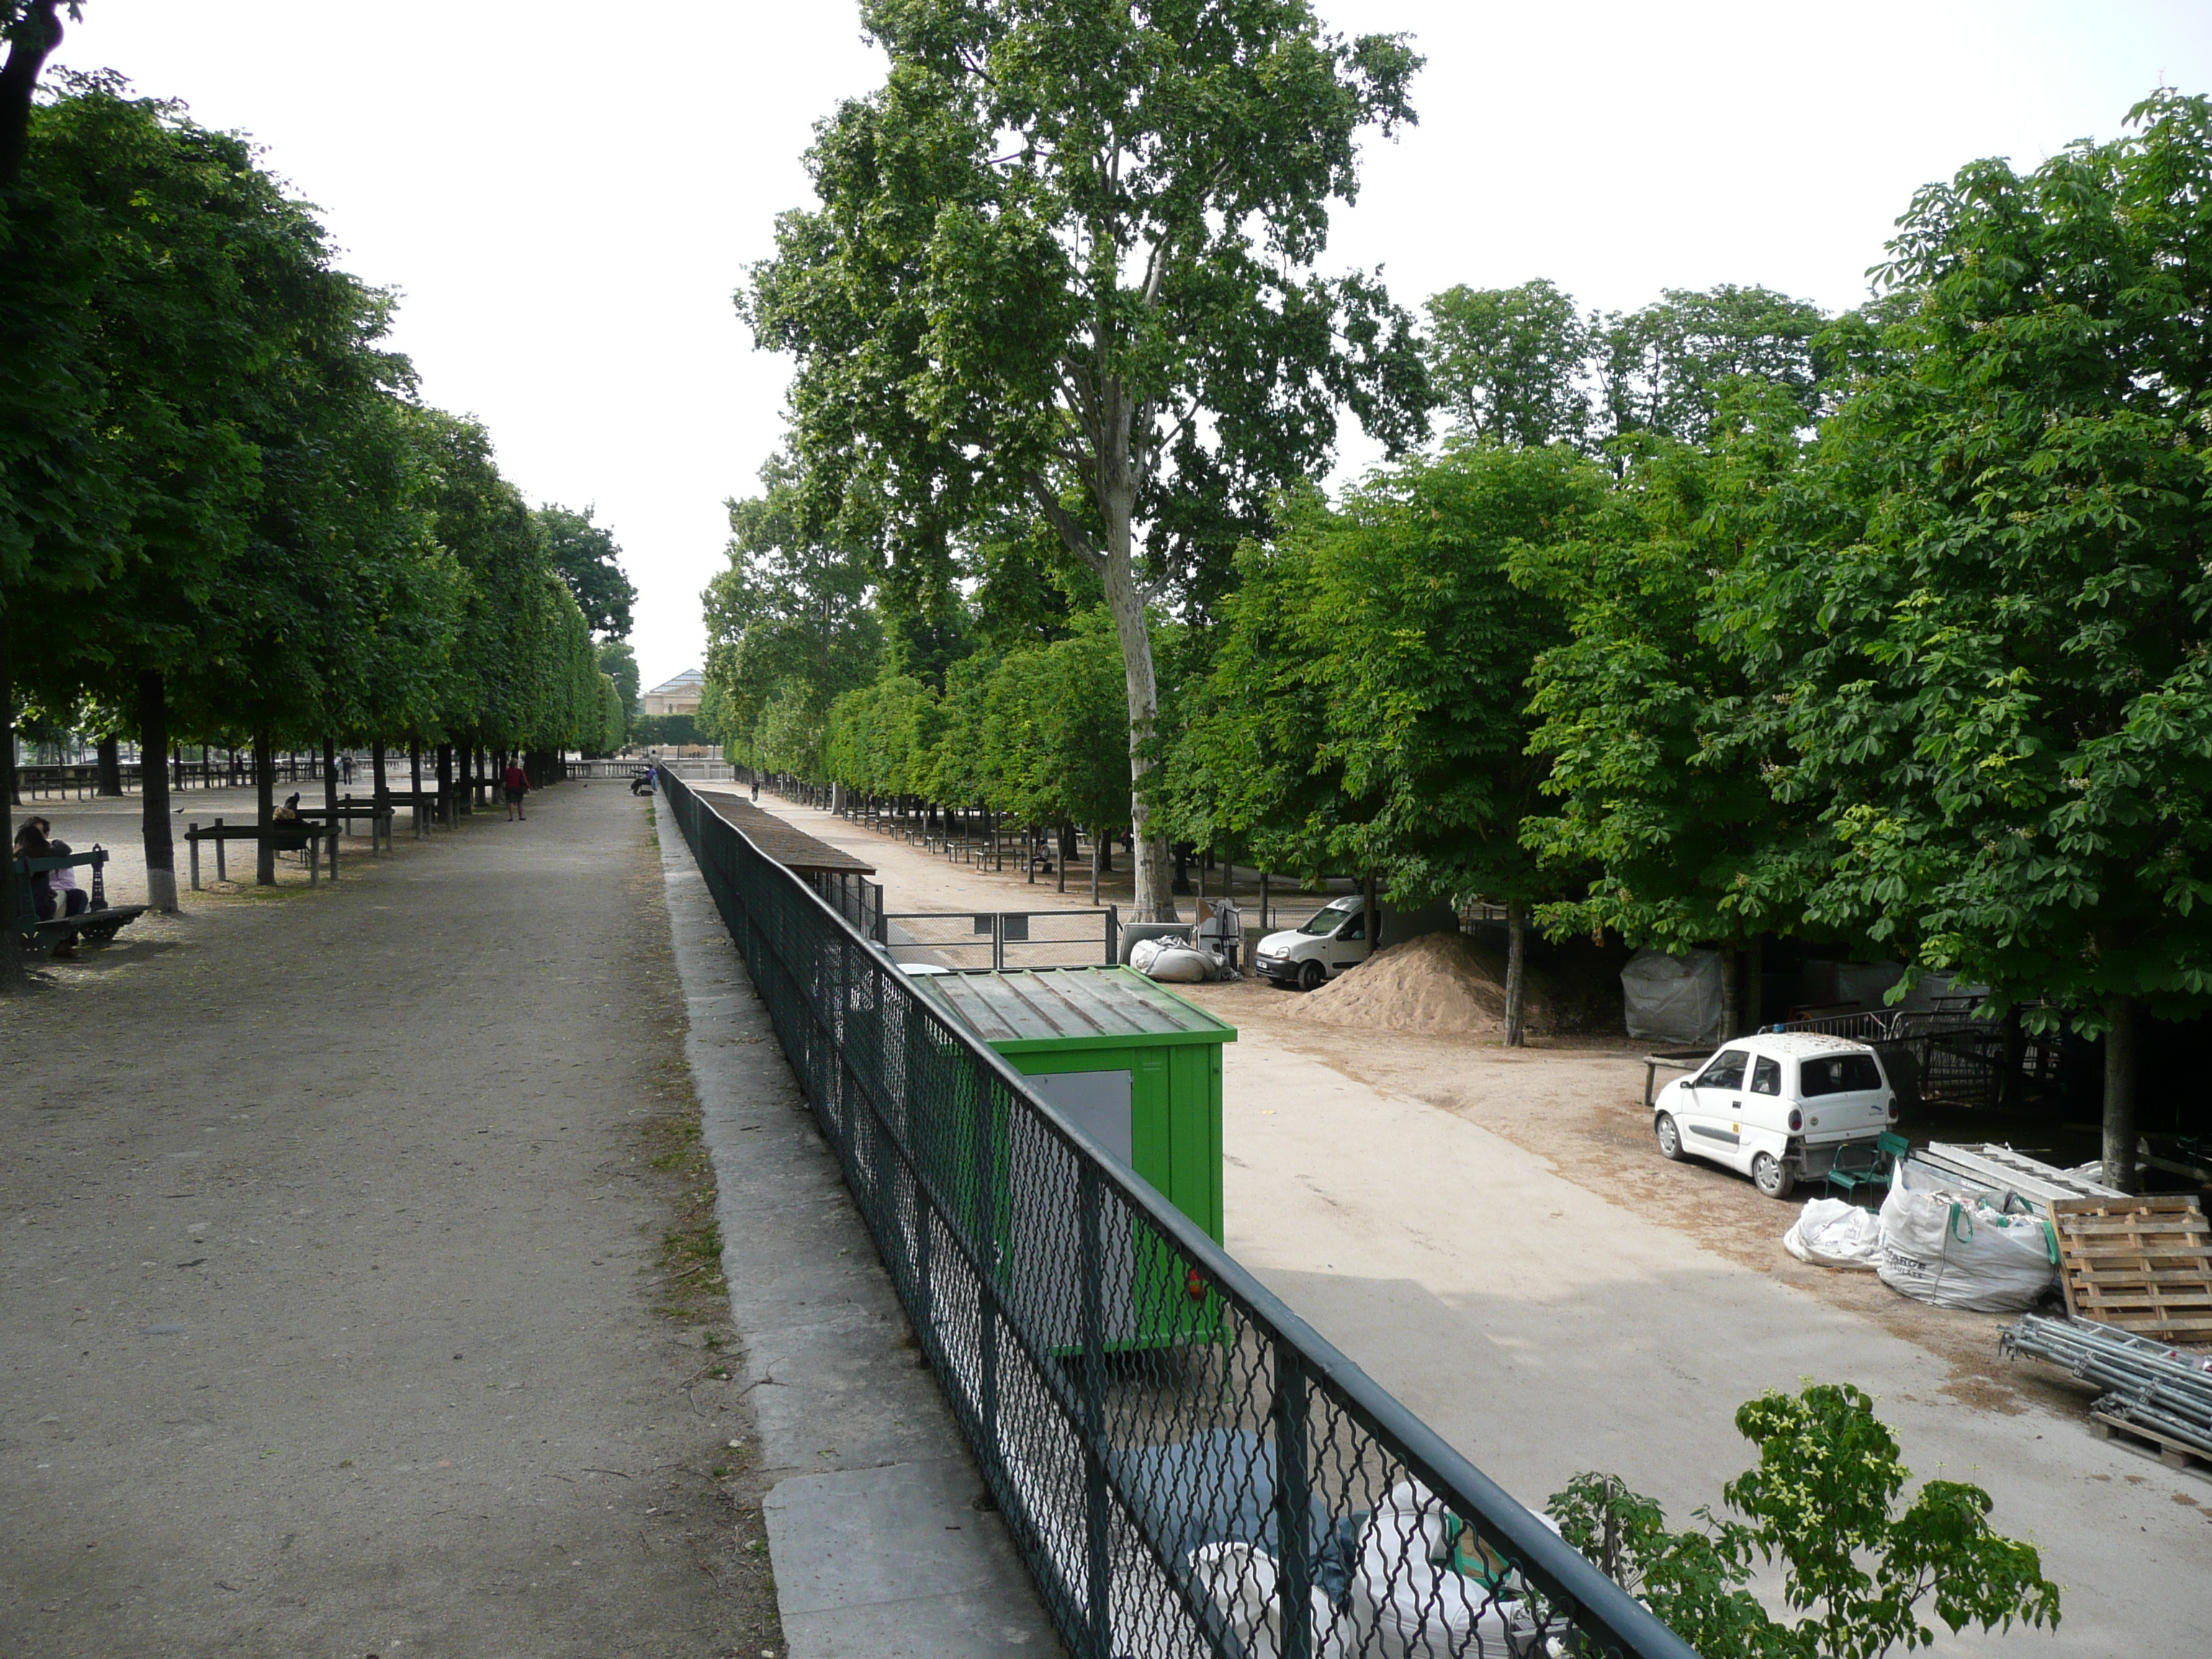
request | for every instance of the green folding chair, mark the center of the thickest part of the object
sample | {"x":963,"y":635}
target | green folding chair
{"x":1878,"y":1169}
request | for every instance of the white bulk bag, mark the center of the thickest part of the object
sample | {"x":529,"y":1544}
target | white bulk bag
{"x":1244,"y":1583}
{"x":1674,"y":999}
{"x":1833,"y":1233}
{"x":1404,"y":1605}
{"x":1169,"y":961}
{"x":1955,"y":1252}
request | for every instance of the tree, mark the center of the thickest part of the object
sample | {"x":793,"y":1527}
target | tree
{"x":1508,"y":363}
{"x":1426,"y":647}
{"x":1663,"y":369}
{"x":589,"y":561}
{"x":31,"y":29}
{"x":1660,"y":743}
{"x":789,"y":622}
{"x":1997,"y":665}
{"x":1823,"y":1503}
{"x":1062,"y":258}
{"x":618,"y":662}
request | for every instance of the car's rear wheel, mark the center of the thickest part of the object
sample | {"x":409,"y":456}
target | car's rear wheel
{"x":1769,"y":1178}
{"x":1670,"y":1135}
{"x":1310,"y":975}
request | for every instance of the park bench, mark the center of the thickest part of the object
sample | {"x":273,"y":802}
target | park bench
{"x":300,"y":835}
{"x":97,"y":924}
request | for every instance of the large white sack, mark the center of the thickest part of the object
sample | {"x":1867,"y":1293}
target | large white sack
{"x":1168,"y":961}
{"x":1834,"y":1233}
{"x":1674,"y":999}
{"x":1405,"y":1605}
{"x":1958,"y":1253}
{"x":1244,"y":1583}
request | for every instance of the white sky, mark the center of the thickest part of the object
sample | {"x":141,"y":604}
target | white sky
{"x":567,"y":194}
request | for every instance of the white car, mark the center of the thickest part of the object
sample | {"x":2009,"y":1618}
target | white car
{"x":1334,"y":938}
{"x":1779,"y":1107}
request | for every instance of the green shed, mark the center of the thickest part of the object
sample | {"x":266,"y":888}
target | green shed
{"x":1137,"y":1068}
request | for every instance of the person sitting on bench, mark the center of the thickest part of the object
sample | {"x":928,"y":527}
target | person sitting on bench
{"x":287,"y":814}
{"x":69,"y":899}
{"x":31,"y":842}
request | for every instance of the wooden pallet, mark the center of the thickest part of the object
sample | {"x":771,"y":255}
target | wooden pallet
{"x":2143,"y":1263}
{"x":2174,"y":1454}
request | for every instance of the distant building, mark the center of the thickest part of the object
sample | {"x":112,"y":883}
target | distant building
{"x":677,"y":697}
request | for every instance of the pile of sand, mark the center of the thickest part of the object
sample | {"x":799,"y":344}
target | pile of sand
{"x":1439,"y":984}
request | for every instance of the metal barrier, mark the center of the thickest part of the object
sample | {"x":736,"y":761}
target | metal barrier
{"x":1186,"y":1466}
{"x":981,"y":939}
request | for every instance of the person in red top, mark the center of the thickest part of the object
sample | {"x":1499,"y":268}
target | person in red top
{"x":517,"y":782}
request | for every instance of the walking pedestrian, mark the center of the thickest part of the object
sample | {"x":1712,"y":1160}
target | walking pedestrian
{"x":516,"y":782}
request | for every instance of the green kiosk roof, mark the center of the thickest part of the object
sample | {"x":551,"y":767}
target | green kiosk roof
{"x":1068,"y":1008}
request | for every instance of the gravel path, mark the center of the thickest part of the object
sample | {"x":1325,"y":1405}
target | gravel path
{"x":331,"y":1270}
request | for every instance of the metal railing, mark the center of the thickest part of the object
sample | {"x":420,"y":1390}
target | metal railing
{"x":981,"y":939}
{"x":1186,"y":1466}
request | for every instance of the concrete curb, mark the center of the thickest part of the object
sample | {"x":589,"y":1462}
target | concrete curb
{"x":877,"y":1542}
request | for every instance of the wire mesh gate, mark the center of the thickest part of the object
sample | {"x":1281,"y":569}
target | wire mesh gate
{"x":1187,"y":1467}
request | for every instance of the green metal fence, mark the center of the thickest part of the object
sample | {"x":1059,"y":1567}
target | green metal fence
{"x":1241,"y":1490}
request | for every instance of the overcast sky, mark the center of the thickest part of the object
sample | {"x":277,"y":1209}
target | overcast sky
{"x":567,"y":194}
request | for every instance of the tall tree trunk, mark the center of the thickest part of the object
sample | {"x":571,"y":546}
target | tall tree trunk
{"x":330,"y":778}
{"x":265,"y":808}
{"x":1517,"y":974}
{"x":414,"y":779}
{"x":111,"y":765}
{"x":11,"y":958}
{"x":154,"y":809}
{"x":1097,"y":840}
{"x":376,"y":772}
{"x":1154,"y":901}
{"x":2123,"y":1066}
{"x":37,"y":34}
{"x":1371,"y":915}
{"x":1062,"y":854}
{"x":1731,"y":1004}
{"x":446,"y":782}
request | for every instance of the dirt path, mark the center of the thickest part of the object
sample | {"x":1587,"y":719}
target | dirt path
{"x":334,"y":1263}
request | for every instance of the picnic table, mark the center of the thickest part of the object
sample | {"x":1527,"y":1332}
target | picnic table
{"x":97,"y":924}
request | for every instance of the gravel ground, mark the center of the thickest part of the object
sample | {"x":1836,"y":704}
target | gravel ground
{"x":357,"y":1267}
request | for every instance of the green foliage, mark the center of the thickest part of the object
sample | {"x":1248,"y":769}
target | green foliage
{"x":1660,"y":743}
{"x":1663,"y":369}
{"x":1823,"y":1504}
{"x":1990,"y":628}
{"x":212,"y":469}
{"x":648,"y":731}
{"x":1508,"y":363}
{"x":1367,"y":706}
{"x":589,"y":561}
{"x":618,"y":662}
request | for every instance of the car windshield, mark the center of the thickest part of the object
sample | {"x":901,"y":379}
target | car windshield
{"x":1323,"y":921}
{"x":1838,"y":1074}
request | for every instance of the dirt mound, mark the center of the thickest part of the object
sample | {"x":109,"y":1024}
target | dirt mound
{"x":1439,"y":983}
{"x":1454,"y":985}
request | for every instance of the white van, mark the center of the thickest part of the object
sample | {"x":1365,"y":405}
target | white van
{"x":1779,"y":1107}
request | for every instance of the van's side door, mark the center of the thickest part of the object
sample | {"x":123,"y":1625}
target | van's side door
{"x":1347,"y":947}
{"x":1710,"y":1130}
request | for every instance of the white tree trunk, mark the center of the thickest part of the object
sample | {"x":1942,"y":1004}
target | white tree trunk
{"x":1155,"y":902}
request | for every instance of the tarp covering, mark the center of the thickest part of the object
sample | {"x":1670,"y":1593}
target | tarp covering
{"x":1672,"y":998}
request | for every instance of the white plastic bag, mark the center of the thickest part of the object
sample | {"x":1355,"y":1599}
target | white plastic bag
{"x":1952,"y":1251}
{"x":1834,"y":1233}
{"x":1674,"y":999}
{"x":1244,"y":1583}
{"x":1404,"y":1605}
{"x":1169,"y":961}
